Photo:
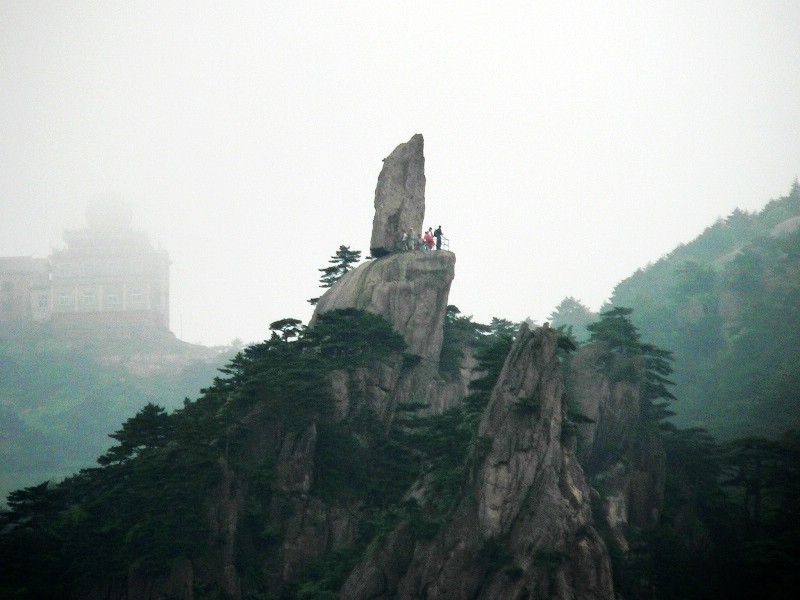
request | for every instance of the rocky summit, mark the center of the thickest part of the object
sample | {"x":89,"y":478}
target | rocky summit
{"x":409,"y":289}
{"x":399,"y":197}
{"x":451,"y":464}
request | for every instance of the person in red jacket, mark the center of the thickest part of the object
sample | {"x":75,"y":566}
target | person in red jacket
{"x":429,"y":239}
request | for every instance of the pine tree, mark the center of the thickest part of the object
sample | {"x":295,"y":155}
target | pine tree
{"x":149,"y":428}
{"x":571,"y":312}
{"x":342,"y":262}
{"x":616,"y":331}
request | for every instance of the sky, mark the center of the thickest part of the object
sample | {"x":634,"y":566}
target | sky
{"x":567,"y":144}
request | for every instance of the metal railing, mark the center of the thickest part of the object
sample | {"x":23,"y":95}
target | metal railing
{"x":418,"y":244}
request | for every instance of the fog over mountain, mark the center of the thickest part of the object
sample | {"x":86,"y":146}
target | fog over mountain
{"x":564,"y":144}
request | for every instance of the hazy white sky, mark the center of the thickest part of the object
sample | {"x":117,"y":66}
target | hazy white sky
{"x":567,"y":143}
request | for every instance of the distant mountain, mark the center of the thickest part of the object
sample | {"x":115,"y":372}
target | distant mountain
{"x":728,"y":305}
{"x":61,"y":395}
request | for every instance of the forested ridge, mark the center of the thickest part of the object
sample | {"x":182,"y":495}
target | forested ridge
{"x":707,"y":335}
{"x":729,"y":526}
{"x":728,"y":306}
{"x":60,"y":395}
{"x":145,"y":503}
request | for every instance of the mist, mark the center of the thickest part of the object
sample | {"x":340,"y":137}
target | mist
{"x":565,"y":146}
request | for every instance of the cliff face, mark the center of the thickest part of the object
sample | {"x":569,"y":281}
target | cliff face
{"x":410,"y":289}
{"x":518,"y":521}
{"x":524,"y":522}
{"x":523,"y":528}
{"x":523,"y":525}
{"x":620,"y":450}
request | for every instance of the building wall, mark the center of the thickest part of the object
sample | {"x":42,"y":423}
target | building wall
{"x":104,"y":275}
{"x":113,"y":272}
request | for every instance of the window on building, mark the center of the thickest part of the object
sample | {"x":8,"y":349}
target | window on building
{"x":88,"y":299}
{"x":42,"y":301}
{"x":112,"y":300}
{"x":65,"y":300}
{"x":137,"y":298}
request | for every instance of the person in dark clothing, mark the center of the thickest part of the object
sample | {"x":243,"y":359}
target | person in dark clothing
{"x":438,"y":235}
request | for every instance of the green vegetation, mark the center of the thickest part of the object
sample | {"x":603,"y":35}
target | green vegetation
{"x":450,"y":440}
{"x":60,"y":397}
{"x":572,"y":315}
{"x":729,"y":527}
{"x":146,"y":510}
{"x":341,"y":262}
{"x":728,"y":306}
{"x":627,"y":358}
{"x":145,"y":502}
{"x":460,"y":332}
{"x":438,"y":449}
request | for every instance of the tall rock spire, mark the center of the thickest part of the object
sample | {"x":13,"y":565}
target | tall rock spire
{"x":399,"y":197}
{"x":410,"y":289}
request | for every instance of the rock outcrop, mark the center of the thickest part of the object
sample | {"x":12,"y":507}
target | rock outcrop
{"x":524,"y":525}
{"x":409,"y":289}
{"x":399,"y":197}
{"x":518,"y":521}
{"x":307,"y":526}
{"x":619,"y":449}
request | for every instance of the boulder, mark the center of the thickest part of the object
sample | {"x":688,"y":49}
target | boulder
{"x":399,"y":197}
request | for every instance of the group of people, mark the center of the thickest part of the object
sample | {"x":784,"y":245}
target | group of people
{"x":424,"y":242}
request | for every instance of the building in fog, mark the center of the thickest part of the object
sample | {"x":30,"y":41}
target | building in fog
{"x":24,"y":289}
{"x":109,"y":277}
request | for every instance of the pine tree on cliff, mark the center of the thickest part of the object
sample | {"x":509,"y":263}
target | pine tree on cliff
{"x":572,"y":313}
{"x":620,"y":336}
{"x":341,"y":262}
{"x":150,"y":428}
{"x":616,"y":330}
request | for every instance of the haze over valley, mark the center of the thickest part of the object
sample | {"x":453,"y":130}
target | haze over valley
{"x":566,"y":145}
